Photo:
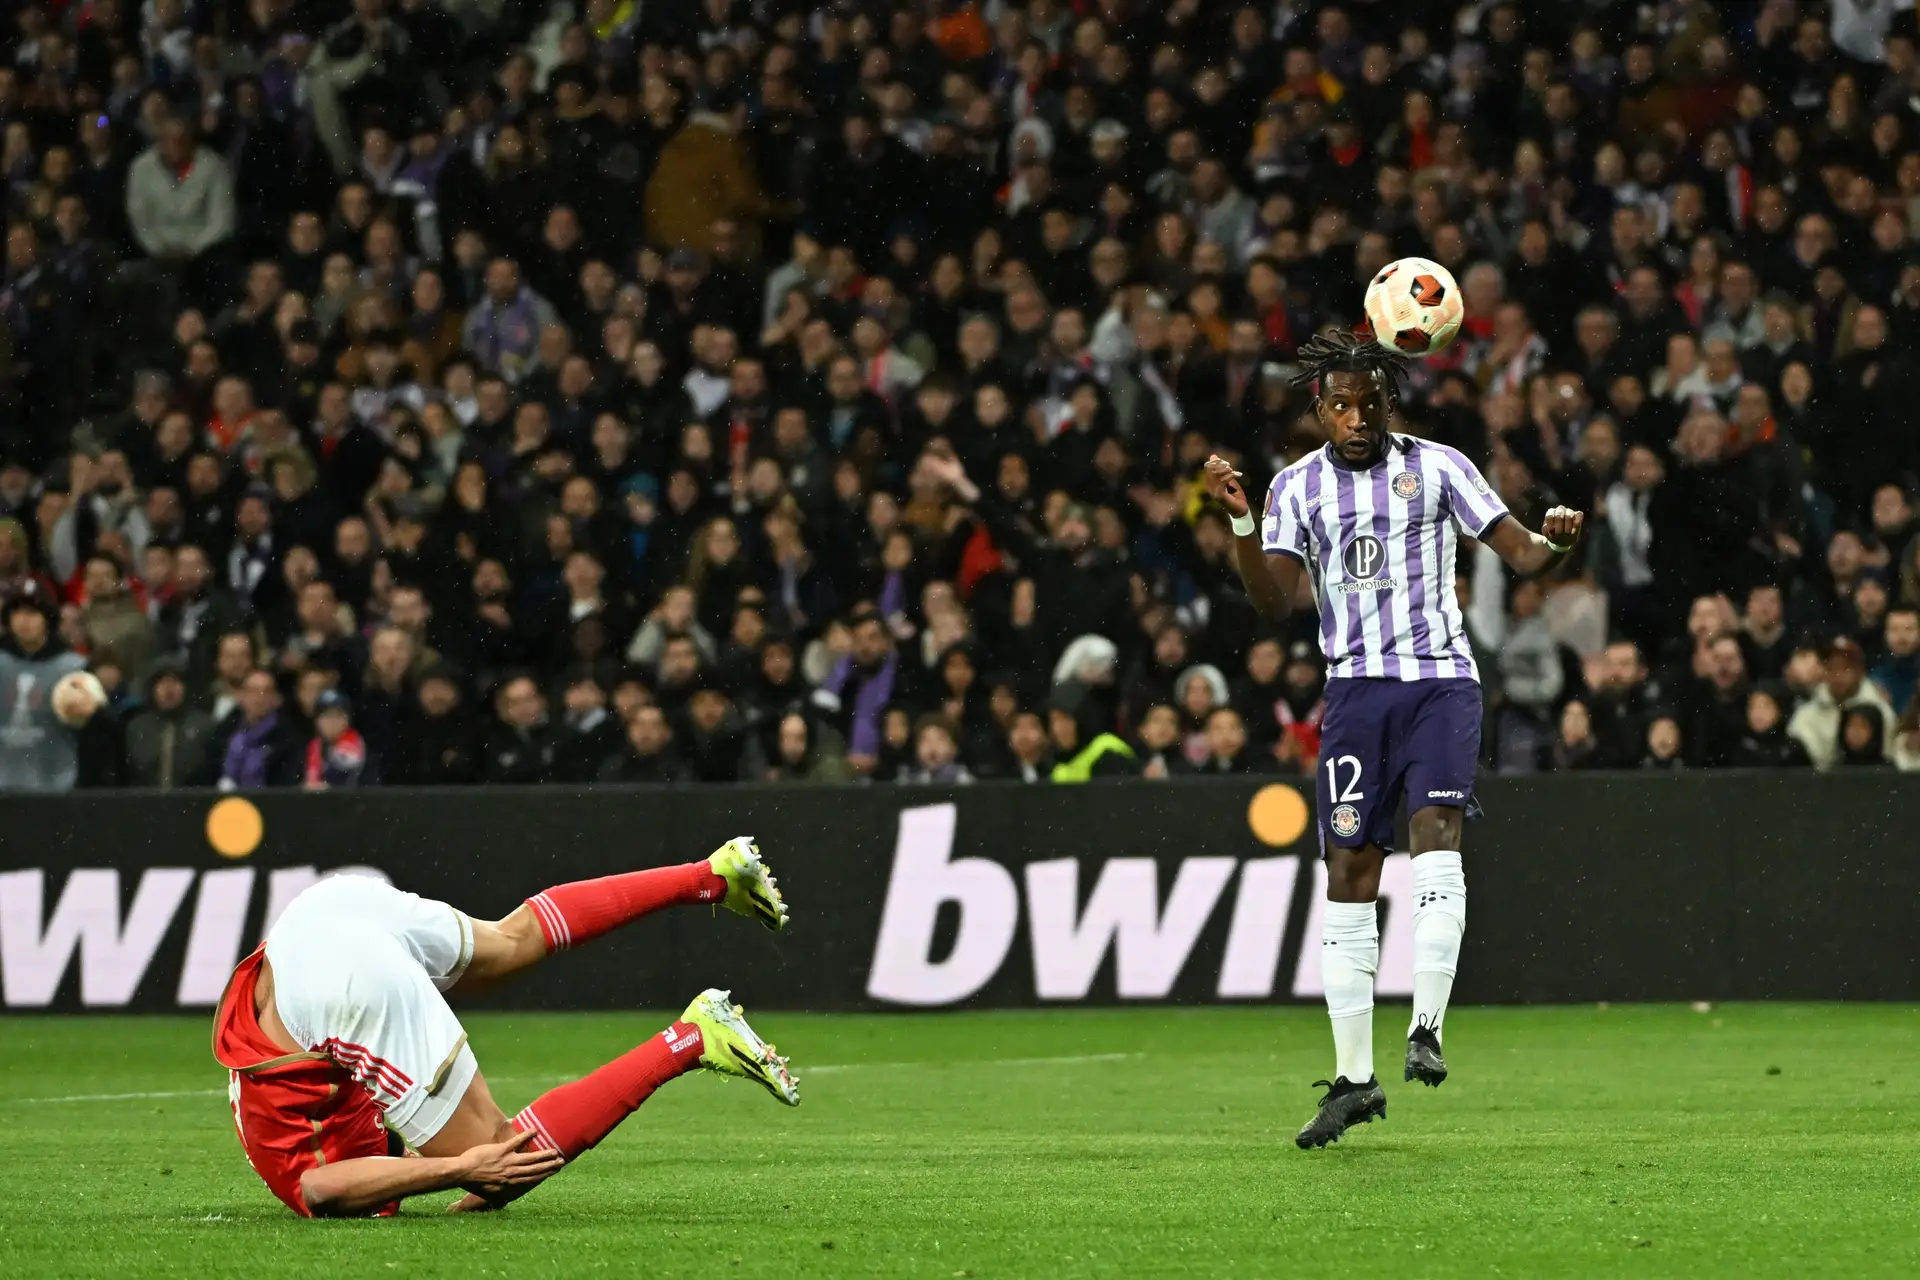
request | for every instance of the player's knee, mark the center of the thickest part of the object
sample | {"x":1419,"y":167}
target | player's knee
{"x":1353,"y":875}
{"x":1435,"y":827}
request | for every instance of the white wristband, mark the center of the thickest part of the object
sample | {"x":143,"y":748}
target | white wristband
{"x":1243,"y":526}
{"x":1556,"y":548}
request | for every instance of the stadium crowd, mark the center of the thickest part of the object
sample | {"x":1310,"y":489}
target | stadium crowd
{"x":440,"y":391}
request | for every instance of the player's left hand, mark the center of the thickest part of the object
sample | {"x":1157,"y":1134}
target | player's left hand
{"x":1562,"y":526}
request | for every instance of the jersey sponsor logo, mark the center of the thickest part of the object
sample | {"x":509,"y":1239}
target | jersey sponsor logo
{"x":1345,"y":821}
{"x":1363,"y":558}
{"x":1446,"y":795}
{"x":1480,"y":483}
{"x":1407,"y":485}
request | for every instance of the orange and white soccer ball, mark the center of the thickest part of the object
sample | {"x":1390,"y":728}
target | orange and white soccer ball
{"x":76,"y":696}
{"x":1414,"y":307}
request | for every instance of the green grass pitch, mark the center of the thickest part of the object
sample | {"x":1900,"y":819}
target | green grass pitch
{"x":1634,"y":1141}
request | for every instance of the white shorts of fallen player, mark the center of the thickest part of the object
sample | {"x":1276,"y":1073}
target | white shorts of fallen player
{"x":358,"y":971}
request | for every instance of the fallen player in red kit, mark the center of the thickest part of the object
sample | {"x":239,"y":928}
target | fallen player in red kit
{"x":351,"y":1080}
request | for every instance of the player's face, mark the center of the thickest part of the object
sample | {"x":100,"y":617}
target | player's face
{"x":1355,"y":409}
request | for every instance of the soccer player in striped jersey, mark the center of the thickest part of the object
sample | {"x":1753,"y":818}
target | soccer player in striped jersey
{"x":1374,"y":521}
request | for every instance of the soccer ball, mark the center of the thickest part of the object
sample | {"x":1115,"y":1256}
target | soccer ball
{"x":76,"y":696}
{"x":1414,"y":307}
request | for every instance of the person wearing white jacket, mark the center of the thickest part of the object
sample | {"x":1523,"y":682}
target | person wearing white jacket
{"x":180,"y":197}
{"x":1816,"y":725}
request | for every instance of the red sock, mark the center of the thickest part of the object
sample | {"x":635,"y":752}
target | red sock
{"x":575,"y":1117}
{"x":571,"y":914}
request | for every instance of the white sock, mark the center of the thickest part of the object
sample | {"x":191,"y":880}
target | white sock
{"x":1349,"y":957}
{"x":1439,"y":922}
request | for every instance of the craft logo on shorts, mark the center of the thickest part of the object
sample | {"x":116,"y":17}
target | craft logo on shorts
{"x":1345,"y":821}
{"x":1364,"y":559}
{"x":1407,"y":485}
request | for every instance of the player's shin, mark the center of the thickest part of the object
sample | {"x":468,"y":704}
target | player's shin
{"x":575,"y":1117}
{"x":1439,"y":922}
{"x":1349,"y":958}
{"x":572,"y":914}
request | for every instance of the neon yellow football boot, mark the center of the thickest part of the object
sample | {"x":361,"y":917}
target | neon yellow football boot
{"x":731,"y":1047}
{"x":751,"y":888}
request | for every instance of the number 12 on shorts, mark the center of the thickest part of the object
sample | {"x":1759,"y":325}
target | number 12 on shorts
{"x":1351,"y":792}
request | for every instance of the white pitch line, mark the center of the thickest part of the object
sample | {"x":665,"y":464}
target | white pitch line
{"x":1068,"y":1060}
{"x":127,"y":1097}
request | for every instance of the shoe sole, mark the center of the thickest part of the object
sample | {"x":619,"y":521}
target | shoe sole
{"x":761,"y":889}
{"x":1426,"y":1075}
{"x":1329,"y":1140}
{"x":757,"y":1061}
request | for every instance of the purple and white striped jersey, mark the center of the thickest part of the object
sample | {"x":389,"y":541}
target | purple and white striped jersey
{"x":1380,"y":545}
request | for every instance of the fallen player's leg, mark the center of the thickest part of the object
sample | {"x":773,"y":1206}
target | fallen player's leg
{"x":571,"y":1120}
{"x":568,"y":915}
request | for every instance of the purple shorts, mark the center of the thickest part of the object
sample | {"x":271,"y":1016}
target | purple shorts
{"x":1380,"y":739}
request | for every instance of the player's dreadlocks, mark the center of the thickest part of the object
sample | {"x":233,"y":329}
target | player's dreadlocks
{"x":1343,"y":351}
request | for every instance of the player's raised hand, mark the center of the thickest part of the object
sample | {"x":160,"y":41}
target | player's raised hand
{"x":496,"y":1166}
{"x":1562,"y":526}
{"x":1223,"y":482}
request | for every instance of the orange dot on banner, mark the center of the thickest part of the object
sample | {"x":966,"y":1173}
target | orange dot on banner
{"x":234,"y":827}
{"x":1277,"y":815}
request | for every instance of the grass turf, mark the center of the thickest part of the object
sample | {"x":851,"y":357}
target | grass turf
{"x":1631,"y":1141}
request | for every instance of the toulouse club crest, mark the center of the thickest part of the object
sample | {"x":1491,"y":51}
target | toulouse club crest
{"x":1407,"y":485}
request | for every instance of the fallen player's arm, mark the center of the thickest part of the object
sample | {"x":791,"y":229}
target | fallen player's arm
{"x":1271,"y":579}
{"x":1529,"y":553}
{"x":354,"y":1187}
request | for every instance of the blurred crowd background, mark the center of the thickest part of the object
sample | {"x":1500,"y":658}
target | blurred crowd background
{"x":448,"y":391}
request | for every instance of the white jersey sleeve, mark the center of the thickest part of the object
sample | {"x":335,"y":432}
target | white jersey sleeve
{"x":1471,"y":500}
{"x":1282,"y":531}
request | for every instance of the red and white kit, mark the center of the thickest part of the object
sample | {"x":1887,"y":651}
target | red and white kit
{"x":358,"y":969}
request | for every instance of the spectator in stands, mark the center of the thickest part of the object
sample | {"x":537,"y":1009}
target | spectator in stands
{"x":1227,"y":749}
{"x":1663,"y":743}
{"x":1863,"y":733}
{"x":520,"y":746}
{"x":167,"y":743}
{"x":1818,"y":724}
{"x":37,"y":752}
{"x":1158,"y":745}
{"x":1897,"y":673}
{"x":1718,"y":705}
{"x":180,"y":207}
{"x":1766,"y":744}
{"x":260,"y":744}
{"x":439,"y":744}
{"x":1574,"y":746}
{"x":336,"y":755}
{"x":649,"y":754}
{"x":804,"y":752}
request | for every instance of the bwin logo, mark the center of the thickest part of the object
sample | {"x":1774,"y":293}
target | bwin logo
{"x":1070,"y":933}
{"x":1364,"y":558}
{"x":117,"y":947}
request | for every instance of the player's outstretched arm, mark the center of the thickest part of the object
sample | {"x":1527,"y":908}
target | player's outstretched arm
{"x":1529,"y":553}
{"x":354,"y":1187}
{"x":1270,"y":579}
